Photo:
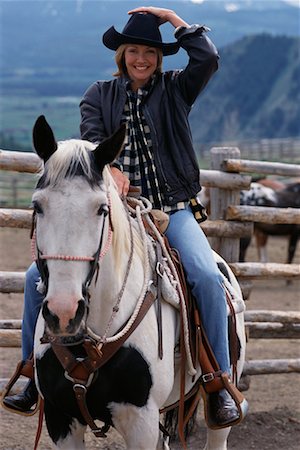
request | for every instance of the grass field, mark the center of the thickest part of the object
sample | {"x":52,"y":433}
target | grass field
{"x":18,"y":114}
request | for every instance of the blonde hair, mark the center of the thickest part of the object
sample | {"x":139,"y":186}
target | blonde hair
{"x":120,"y":60}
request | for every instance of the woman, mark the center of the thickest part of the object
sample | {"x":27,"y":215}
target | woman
{"x":158,"y":157}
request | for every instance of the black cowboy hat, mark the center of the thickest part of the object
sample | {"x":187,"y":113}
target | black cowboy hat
{"x":140,"y":29}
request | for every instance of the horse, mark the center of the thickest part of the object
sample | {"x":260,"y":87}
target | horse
{"x":272,"y":183}
{"x":96,"y":274}
{"x":280,"y":196}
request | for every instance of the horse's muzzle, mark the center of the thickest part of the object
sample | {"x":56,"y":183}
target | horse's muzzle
{"x":72,"y":333}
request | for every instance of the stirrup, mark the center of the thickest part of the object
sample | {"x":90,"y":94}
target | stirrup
{"x":238,"y":398}
{"x":23,"y":368}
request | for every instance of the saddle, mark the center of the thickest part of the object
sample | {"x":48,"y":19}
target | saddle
{"x":212,"y":378}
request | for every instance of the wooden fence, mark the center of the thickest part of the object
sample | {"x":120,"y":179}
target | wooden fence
{"x":285,"y":150}
{"x":228,"y":223}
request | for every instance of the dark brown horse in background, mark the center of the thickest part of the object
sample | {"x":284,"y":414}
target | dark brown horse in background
{"x":269,"y":192}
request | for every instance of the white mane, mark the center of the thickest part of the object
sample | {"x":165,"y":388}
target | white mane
{"x":121,"y":234}
{"x":69,"y":155}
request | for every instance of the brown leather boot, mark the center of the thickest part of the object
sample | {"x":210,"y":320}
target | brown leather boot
{"x":24,"y":401}
{"x":222,"y":408}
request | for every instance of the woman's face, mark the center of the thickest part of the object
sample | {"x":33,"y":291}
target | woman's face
{"x":141,"y":63}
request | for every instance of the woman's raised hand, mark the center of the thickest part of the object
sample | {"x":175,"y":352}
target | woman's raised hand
{"x":164,"y":15}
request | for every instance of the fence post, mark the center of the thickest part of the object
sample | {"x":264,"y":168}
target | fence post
{"x":228,"y":248}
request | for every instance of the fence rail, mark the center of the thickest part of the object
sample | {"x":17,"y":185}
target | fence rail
{"x":286,"y":150}
{"x":228,"y":223}
{"x":262,"y":167}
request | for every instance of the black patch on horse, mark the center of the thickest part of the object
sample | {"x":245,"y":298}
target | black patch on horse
{"x":125,"y":378}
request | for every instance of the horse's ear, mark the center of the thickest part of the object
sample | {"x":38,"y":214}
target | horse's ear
{"x":109,"y":149}
{"x":43,"y":138}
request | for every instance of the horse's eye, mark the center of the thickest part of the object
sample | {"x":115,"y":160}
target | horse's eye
{"x":103,"y":210}
{"x":37,"y":208}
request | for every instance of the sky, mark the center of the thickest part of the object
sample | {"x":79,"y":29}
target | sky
{"x":291,"y":2}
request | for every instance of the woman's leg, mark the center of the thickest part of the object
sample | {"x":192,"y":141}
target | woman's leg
{"x":25,"y":400}
{"x":32,"y":304}
{"x":203,"y":275}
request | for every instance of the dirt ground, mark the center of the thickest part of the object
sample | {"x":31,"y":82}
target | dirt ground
{"x":274,"y":418}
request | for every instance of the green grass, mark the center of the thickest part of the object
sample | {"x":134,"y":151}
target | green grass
{"x":18,"y":114}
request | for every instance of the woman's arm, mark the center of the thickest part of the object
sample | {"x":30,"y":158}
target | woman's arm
{"x":91,"y":125}
{"x":203,"y":62}
{"x":92,"y":129}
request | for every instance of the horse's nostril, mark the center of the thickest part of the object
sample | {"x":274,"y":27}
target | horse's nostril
{"x":75,"y":322}
{"x":51,"y":319}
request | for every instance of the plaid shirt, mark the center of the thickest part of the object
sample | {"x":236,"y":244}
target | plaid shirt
{"x":137,"y":158}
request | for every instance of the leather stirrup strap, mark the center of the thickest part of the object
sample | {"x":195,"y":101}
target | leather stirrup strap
{"x":40,"y":424}
{"x":193,"y":406}
{"x":159,"y":275}
{"x":182,"y":385}
{"x":15,"y":376}
{"x":211,"y":373}
{"x":24,"y":368}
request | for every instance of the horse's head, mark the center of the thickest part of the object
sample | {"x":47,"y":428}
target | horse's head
{"x":258,"y":195}
{"x":71,"y":205}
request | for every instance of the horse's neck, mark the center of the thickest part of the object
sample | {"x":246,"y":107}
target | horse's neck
{"x":111,"y":289}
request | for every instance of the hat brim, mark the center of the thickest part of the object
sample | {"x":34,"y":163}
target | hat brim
{"x":112,"y":39}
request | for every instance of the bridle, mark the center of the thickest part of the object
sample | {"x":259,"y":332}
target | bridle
{"x":94,"y":260}
{"x":41,"y":261}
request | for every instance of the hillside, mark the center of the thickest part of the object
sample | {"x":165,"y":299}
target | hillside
{"x":51,"y":51}
{"x":255,"y":93}
{"x":54,"y":47}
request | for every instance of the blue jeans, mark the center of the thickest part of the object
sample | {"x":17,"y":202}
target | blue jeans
{"x":32,"y":304}
{"x":203,"y":276}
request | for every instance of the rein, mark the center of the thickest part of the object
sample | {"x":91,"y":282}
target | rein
{"x":145,"y":288}
{"x":104,"y":338}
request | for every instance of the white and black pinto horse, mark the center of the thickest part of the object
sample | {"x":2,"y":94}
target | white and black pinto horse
{"x":282,"y":197}
{"x":94,"y":273}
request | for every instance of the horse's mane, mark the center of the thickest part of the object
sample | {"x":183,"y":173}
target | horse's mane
{"x":74,"y":157}
{"x":121,"y":234}
{"x":71,"y":158}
